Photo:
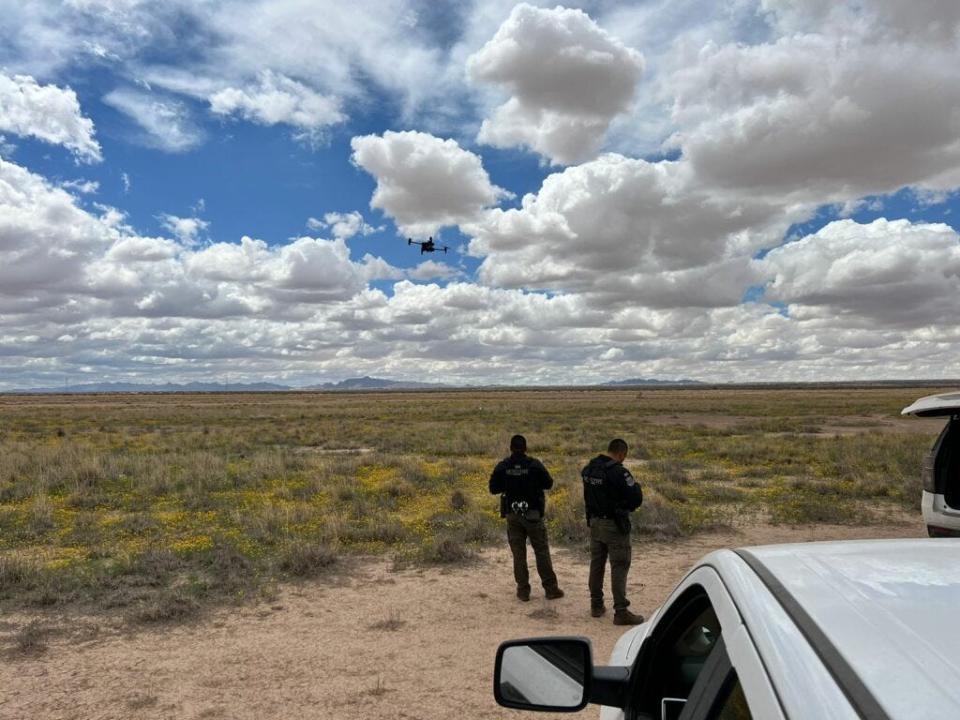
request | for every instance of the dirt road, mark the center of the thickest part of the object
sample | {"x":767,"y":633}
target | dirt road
{"x":373,"y":643}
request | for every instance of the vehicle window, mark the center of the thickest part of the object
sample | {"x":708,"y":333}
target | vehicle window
{"x":735,"y":706}
{"x":674,"y":657}
{"x":690,"y":651}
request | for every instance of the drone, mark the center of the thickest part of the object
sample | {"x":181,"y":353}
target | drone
{"x":427,"y":245}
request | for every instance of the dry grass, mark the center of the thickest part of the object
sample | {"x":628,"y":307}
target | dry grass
{"x":391,"y":623}
{"x":31,"y":639}
{"x":153,"y":506}
{"x":307,"y":559}
{"x":141,"y":701}
{"x":544,"y":613}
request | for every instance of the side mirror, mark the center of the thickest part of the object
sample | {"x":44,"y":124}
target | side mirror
{"x":546,"y":674}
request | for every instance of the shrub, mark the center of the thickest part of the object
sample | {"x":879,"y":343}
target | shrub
{"x":167,"y":606}
{"x":391,"y":623}
{"x":16,"y":573}
{"x":720,"y":494}
{"x":715,"y":474}
{"x":32,"y":638}
{"x":909,"y":490}
{"x":229,"y":567}
{"x":797,"y":508}
{"x":458,"y":501}
{"x":480,"y":528}
{"x":657,"y":519}
{"x":307,"y":559}
{"x":446,"y":549}
{"x":672,"y":493}
{"x":671,"y":471}
{"x":40,"y":516}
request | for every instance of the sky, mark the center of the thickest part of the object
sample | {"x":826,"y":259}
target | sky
{"x":736,"y":191}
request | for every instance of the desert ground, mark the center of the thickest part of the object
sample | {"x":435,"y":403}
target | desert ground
{"x":375,"y":642}
{"x":339,"y":555}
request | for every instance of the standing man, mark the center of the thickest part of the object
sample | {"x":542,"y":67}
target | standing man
{"x":520,"y":480}
{"x":610,"y":494}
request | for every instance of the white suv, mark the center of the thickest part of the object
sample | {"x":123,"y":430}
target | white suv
{"x":941,"y":467}
{"x":862,"y":629}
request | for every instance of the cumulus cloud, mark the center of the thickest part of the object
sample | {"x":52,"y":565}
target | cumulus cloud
{"x":275,"y":99}
{"x":930,"y":20}
{"x":135,"y":249}
{"x":344,"y":225}
{"x":851,"y":100}
{"x":433,"y":270}
{"x":376,"y":268}
{"x":85,"y":293}
{"x":186,"y":229}
{"x":304,"y":306}
{"x":767,"y":131}
{"x":322,"y":55}
{"x":424,"y":182}
{"x":49,"y":113}
{"x":614,"y":268}
{"x":45,"y":239}
{"x":567,"y":79}
{"x":885,"y":273}
{"x":57,"y":255}
{"x":631,"y":230}
{"x":166,"y":123}
{"x":84,"y":187}
{"x":312,"y":270}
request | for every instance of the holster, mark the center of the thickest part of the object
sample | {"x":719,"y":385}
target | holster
{"x":622,"y":521}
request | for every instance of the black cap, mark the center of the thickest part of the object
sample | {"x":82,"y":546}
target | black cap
{"x":518,"y":443}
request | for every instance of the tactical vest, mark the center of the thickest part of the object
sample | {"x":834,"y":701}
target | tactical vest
{"x":599,"y":498}
{"x":523,"y":491}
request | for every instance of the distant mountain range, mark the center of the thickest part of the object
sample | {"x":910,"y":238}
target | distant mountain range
{"x":361,"y":383}
{"x":122,"y":387}
{"x":369,"y":383}
{"x":652,"y":381}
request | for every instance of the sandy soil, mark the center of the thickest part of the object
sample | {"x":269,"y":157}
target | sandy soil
{"x":372,"y":643}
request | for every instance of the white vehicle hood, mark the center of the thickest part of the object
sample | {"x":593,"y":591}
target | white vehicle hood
{"x":890,"y":609}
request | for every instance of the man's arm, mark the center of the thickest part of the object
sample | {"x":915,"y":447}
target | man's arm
{"x":543,"y":475}
{"x":498,"y":480}
{"x":631,"y":496}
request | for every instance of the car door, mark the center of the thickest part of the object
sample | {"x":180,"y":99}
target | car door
{"x":718,"y":692}
{"x":698,"y":661}
{"x":941,"y":466}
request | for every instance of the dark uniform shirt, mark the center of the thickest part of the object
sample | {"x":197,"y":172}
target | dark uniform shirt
{"x":522,"y":479}
{"x":609,"y":489}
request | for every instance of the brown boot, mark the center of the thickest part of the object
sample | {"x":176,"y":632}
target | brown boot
{"x":553,"y":593}
{"x":625,"y":617}
{"x":598,"y":610}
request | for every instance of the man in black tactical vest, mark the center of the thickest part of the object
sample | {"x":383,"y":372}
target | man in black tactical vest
{"x":520,"y":480}
{"x":610,"y":494}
